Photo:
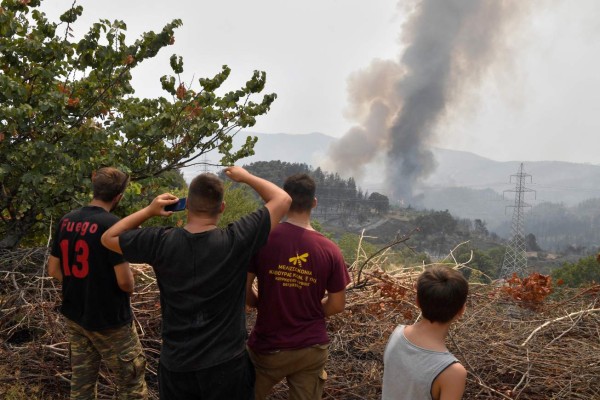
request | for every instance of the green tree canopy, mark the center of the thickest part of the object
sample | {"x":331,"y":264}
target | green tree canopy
{"x":67,"y":107}
{"x":583,"y":272}
{"x":239,"y":201}
{"x":435,"y":222}
{"x":349,"y":246}
{"x":531,"y":243}
{"x":487,"y":263}
{"x":379,"y":202}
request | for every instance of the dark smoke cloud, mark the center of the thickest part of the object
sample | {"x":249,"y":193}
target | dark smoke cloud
{"x":372,"y":101}
{"x":449,"y":46}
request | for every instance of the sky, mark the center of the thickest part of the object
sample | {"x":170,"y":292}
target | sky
{"x":538,"y":99}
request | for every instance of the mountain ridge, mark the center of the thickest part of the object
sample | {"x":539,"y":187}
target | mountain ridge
{"x":455,"y":168}
{"x":551,"y":181}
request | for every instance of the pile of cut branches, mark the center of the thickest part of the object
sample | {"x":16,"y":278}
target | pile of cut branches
{"x":519,"y":339}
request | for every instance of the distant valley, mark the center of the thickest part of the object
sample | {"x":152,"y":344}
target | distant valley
{"x":467,"y":185}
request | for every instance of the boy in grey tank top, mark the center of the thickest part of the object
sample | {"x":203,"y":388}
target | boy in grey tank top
{"x":417,"y":364}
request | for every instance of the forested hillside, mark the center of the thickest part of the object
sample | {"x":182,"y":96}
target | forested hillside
{"x":338,"y":199}
{"x":558,"y":227}
{"x":345,"y":211}
{"x":564,"y":216}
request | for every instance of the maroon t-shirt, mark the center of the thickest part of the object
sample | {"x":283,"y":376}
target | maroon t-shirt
{"x":294,"y":269}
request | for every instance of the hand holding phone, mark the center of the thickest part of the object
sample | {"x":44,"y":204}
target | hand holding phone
{"x":179,"y":206}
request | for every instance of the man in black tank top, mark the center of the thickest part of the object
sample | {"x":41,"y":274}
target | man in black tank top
{"x":96,"y":285}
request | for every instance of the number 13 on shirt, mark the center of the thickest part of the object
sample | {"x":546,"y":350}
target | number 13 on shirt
{"x":80,"y":267}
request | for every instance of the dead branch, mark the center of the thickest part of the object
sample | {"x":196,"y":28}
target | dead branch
{"x":562,"y":361}
{"x":545,"y":324}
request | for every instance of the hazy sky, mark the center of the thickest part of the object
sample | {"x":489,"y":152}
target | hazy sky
{"x":539,"y":101}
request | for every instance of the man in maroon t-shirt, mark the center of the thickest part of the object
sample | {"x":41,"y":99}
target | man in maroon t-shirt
{"x":294,"y":270}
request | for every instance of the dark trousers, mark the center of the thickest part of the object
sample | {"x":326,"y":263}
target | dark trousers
{"x":232,"y":380}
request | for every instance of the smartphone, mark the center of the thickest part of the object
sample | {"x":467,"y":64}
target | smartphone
{"x":179,"y":206}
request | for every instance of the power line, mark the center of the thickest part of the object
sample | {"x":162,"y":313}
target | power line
{"x":515,"y":257}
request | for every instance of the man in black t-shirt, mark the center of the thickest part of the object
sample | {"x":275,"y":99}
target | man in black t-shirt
{"x":96,"y":285}
{"x":201,"y":273}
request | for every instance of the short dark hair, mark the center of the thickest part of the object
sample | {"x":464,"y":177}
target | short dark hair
{"x":442,"y":293}
{"x":301,"y":189}
{"x":108,"y":183}
{"x":205,"y":194}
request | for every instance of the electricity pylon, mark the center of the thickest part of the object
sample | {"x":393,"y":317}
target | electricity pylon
{"x":204,"y":163}
{"x":515,"y":257}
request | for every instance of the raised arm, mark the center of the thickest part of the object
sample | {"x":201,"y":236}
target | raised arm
{"x":110,"y":238}
{"x":277,"y":200}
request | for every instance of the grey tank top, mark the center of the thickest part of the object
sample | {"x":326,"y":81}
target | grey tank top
{"x":409,"y":370}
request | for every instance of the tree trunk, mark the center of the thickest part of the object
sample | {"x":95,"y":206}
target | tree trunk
{"x":16,"y":231}
{"x":10,"y":241}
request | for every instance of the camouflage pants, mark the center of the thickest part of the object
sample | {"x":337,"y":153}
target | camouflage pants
{"x":121,"y":350}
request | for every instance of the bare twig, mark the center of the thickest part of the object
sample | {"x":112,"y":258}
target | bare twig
{"x":556,"y":320}
{"x":561,"y":363}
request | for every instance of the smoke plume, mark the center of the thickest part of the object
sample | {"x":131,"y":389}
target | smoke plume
{"x":449,"y":46}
